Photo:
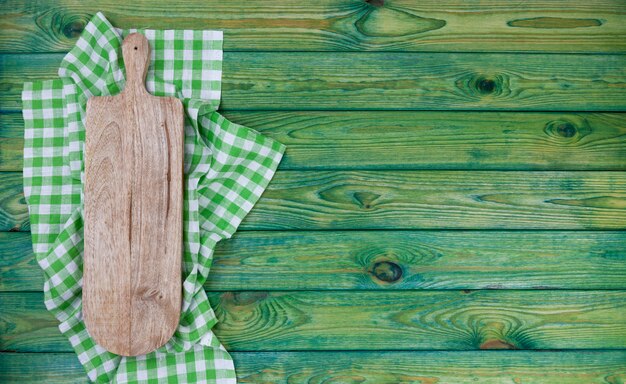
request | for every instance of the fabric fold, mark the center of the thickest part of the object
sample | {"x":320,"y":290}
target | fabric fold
{"x":227,"y":168}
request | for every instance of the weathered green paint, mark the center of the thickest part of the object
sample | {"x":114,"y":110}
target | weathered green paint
{"x":386,"y":260}
{"x":487,"y":367}
{"x":379,"y":367}
{"x":419,"y":139}
{"x":374,"y":320}
{"x":390,"y":81}
{"x":334,"y":25}
{"x":462,"y":133}
{"x":414,"y":200}
{"x":13,"y":208}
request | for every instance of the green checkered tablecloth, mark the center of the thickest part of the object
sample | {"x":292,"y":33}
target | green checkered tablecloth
{"x":227,"y":167}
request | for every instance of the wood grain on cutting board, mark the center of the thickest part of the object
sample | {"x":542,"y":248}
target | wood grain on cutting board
{"x":133,"y":213}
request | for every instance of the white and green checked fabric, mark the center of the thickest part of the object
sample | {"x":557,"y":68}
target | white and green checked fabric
{"x":227,"y":167}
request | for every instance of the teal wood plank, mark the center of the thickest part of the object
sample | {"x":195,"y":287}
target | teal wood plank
{"x":386,"y":260}
{"x":418,"y":139}
{"x":331,"y":25}
{"x":13,"y":208}
{"x":384,"y":81}
{"x":374,"y":320}
{"x":309,"y":200}
{"x":490,"y":367}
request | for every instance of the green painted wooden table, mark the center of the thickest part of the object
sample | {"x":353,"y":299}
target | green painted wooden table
{"x":451,"y":207}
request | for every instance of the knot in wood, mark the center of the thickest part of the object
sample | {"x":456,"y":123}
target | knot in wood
{"x":149,"y":293}
{"x":365,"y":200}
{"x":387,"y":271}
{"x":566,"y":129}
{"x":563,"y":129}
{"x":485,"y":85}
{"x":375,"y":3}
{"x":73,"y":29}
{"x":481,"y":85}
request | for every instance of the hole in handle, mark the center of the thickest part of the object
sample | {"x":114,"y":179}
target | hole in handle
{"x":135,"y":48}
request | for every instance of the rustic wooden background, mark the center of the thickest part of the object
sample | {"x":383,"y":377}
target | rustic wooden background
{"x":451,"y":207}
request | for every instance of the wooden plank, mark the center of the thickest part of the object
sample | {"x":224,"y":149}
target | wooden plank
{"x":493,"y":367}
{"x":11,"y":141}
{"x":444,"y":140}
{"x":398,"y":25}
{"x":374,"y":320}
{"x":50,"y":368}
{"x":442,"y":199}
{"x":377,"y":260}
{"x":12,"y":77}
{"x":418,"y":139}
{"x":398,"y":81}
{"x":13,"y":208}
{"x":489,"y":367}
{"x":11,"y":127}
{"x":422,"y":320}
{"x":19,"y":270}
{"x":308,"y":200}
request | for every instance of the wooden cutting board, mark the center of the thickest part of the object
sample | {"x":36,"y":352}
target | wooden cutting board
{"x":133,"y":202}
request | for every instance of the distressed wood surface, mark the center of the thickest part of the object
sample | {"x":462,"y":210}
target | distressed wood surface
{"x":432,"y":367}
{"x":369,"y":367}
{"x":11,"y":141}
{"x":418,"y":139}
{"x":389,"y":260}
{"x":335,"y":25}
{"x":308,"y":200}
{"x":374,"y":320}
{"x":389,"y":81}
{"x":442,"y":199}
{"x":13,"y":208}
{"x":133,"y":212}
{"x":476,"y":145}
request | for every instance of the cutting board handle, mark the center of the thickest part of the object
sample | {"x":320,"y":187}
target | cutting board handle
{"x":136,"y":51}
